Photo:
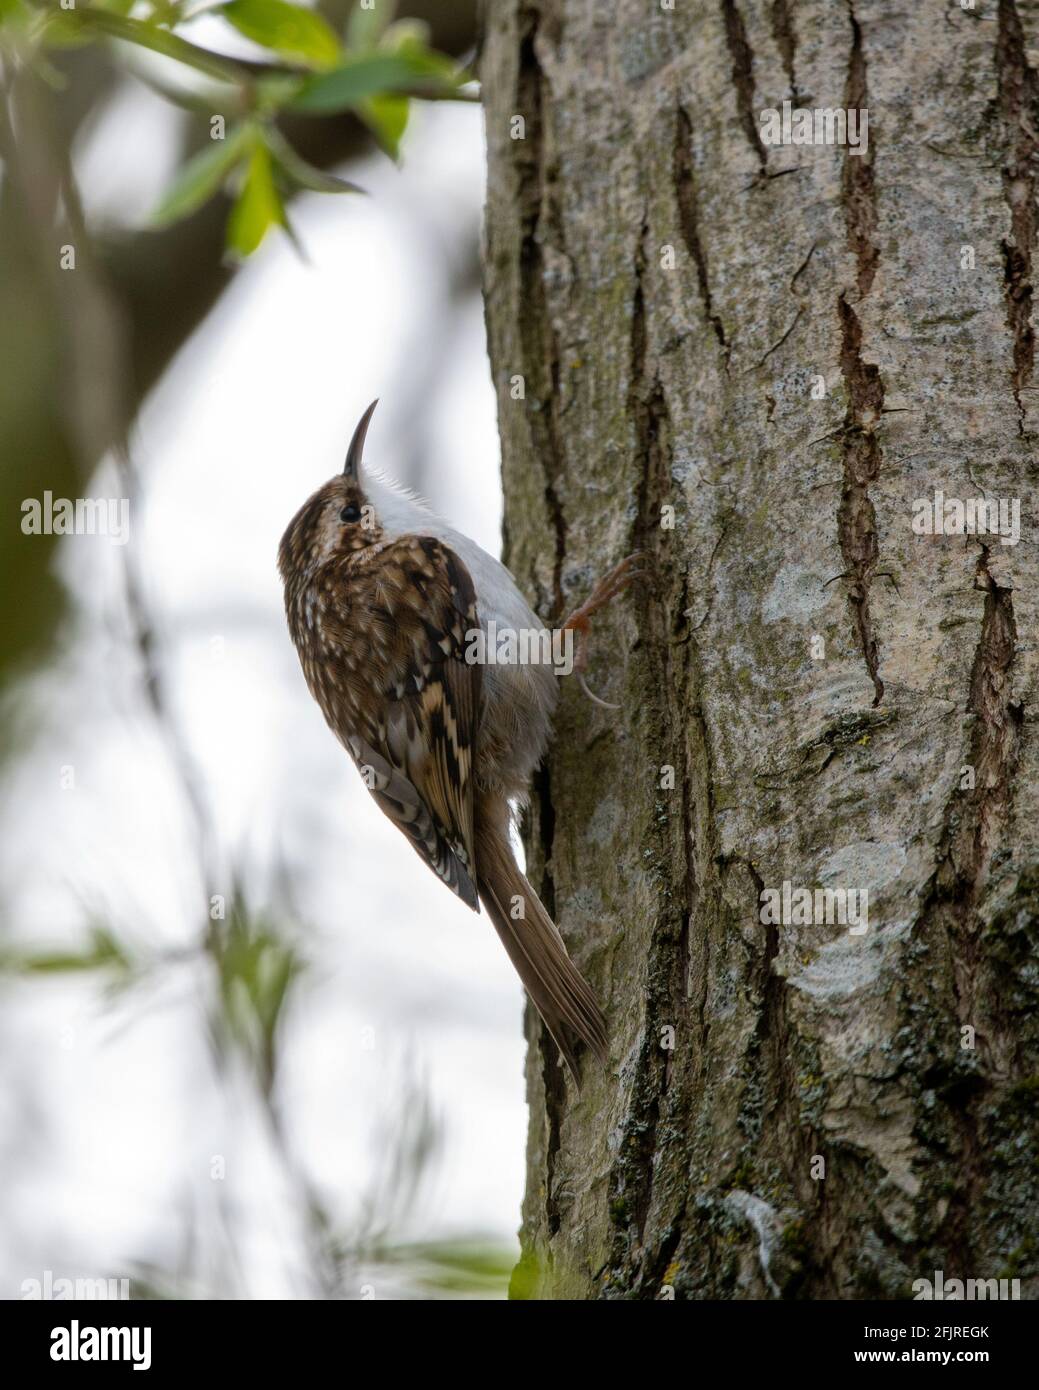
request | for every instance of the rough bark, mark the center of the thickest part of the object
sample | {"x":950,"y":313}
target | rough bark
{"x":688,"y":1170}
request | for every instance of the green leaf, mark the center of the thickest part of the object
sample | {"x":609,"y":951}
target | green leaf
{"x":91,"y":23}
{"x":201,"y":177}
{"x":387,"y":118}
{"x":103,"y":953}
{"x":299,"y":172}
{"x":288,"y":29}
{"x":258,"y":206}
{"x":365,"y":27}
{"x":369,"y":75}
{"x":257,"y":968}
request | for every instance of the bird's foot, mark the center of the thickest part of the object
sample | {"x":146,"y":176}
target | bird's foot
{"x":580,"y":620}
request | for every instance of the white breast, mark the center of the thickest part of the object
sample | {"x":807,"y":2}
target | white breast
{"x":400,"y":513}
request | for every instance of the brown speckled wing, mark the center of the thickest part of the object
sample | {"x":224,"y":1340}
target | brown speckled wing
{"x":411,"y":703}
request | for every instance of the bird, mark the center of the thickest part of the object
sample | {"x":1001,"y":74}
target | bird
{"x":383,"y":601}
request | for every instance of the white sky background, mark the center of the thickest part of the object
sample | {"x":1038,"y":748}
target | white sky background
{"x":110,"y":1112}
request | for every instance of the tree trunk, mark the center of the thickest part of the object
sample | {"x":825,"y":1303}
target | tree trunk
{"x":792,"y":1109}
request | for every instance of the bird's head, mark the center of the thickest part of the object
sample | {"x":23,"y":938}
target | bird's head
{"x":337,"y":520}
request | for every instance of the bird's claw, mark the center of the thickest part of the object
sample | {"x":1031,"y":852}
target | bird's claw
{"x":606,"y":704}
{"x":579,"y":621}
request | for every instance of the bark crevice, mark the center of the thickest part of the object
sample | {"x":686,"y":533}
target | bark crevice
{"x":689,"y":223}
{"x":950,"y":921}
{"x":862,"y":455}
{"x":663,"y":638}
{"x":743,"y":77}
{"x":786,"y":40}
{"x":1019,"y":107}
{"x":540,"y":355}
{"x":537,"y":336}
{"x":857,"y":180}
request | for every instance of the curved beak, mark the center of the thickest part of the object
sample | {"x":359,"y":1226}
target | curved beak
{"x":356,"y":449}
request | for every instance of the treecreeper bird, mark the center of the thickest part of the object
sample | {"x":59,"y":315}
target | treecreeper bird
{"x":382,"y":599}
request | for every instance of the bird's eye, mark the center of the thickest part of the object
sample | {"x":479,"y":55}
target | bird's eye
{"x":350,"y":513}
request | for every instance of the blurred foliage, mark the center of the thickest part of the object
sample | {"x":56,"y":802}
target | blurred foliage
{"x":373,"y":74}
{"x":461,"y":1267}
{"x":78,"y":353}
{"x":256,"y":966}
{"x":467,"y":1267}
{"x":102,"y":952}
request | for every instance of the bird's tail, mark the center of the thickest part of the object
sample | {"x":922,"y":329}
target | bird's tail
{"x":560,"y":993}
